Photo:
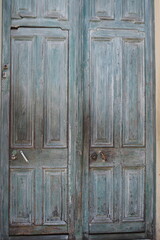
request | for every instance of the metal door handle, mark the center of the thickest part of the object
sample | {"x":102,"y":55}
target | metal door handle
{"x":103,"y":156}
{"x":14,"y":155}
{"x":94,"y":156}
{"x":21,"y":152}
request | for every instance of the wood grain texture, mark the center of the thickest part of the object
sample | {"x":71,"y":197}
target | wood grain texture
{"x":41,"y":77}
{"x":128,"y":163}
{"x":22,"y":95}
{"x":128,"y":157}
{"x":4,"y":121}
{"x":23,"y":8}
{"x":133,"y":10}
{"x":102,"y":9}
{"x":55,"y":237}
{"x":157,"y":57}
{"x":22,"y":197}
{"x":150,"y":121}
{"x":55,"y":197}
{"x":31,"y":9}
{"x":133,"y":85}
{"x":56,"y":9}
{"x":131,"y":236}
{"x":133,"y":194}
{"x":60,"y":45}
{"x":102,"y":92}
{"x":101,"y":195}
{"x":55,"y":93}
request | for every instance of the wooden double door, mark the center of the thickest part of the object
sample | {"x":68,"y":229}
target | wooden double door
{"x":77,"y":125}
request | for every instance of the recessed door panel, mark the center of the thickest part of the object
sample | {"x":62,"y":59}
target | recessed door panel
{"x":133,"y":194}
{"x":22,"y":94}
{"x":22,"y":197}
{"x":55,"y":196}
{"x":102,"y":91}
{"x":133,"y":84}
{"x":55,"y":93}
{"x":102,"y":9}
{"x":56,"y":9}
{"x":133,"y":10}
{"x":23,"y":8}
{"x":101,"y":197}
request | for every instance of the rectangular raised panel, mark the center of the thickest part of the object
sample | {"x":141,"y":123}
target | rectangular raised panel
{"x":101,"y":92}
{"x":55,"y":197}
{"x":101,"y":197}
{"x":102,"y":9}
{"x":22,"y":99}
{"x":55,"y":103}
{"x":133,"y":10}
{"x":133,"y":84}
{"x":56,"y":9}
{"x":21,"y":197}
{"x":133,"y":194}
{"x":23,"y":8}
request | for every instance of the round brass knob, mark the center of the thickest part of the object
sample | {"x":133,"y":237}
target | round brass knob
{"x":94,"y":156}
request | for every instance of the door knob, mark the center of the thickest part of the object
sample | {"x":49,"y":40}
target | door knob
{"x":94,"y":156}
{"x":14,"y":155}
{"x":103,"y":156}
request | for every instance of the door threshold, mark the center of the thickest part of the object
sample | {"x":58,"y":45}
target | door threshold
{"x":46,"y":237}
{"x":120,"y":236}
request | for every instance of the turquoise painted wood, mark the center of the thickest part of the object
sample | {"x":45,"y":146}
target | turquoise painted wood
{"x":40,"y":99}
{"x":34,"y":89}
{"x":118,"y":148}
{"x":77,"y":120}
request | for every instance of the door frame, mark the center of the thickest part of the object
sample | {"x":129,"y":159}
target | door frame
{"x":4,"y":129}
{"x":157,"y":58}
{"x":4,"y":121}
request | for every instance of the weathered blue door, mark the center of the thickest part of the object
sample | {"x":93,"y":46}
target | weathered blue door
{"x":38,"y":131}
{"x":41,"y":78}
{"x":77,"y":129}
{"x":118,"y":148}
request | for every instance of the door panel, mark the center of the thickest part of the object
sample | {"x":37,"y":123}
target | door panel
{"x":39,"y":195}
{"x":103,"y":9}
{"x":55,"y":99}
{"x":102,"y":93}
{"x":133,"y":194}
{"x":101,"y":195}
{"x":22,"y":197}
{"x":129,"y":207}
{"x":23,"y":8}
{"x":133,"y":85}
{"x":22,"y":95}
{"x":55,"y":187}
{"x":56,"y":9}
{"x":133,"y":10}
{"x":115,"y":113}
